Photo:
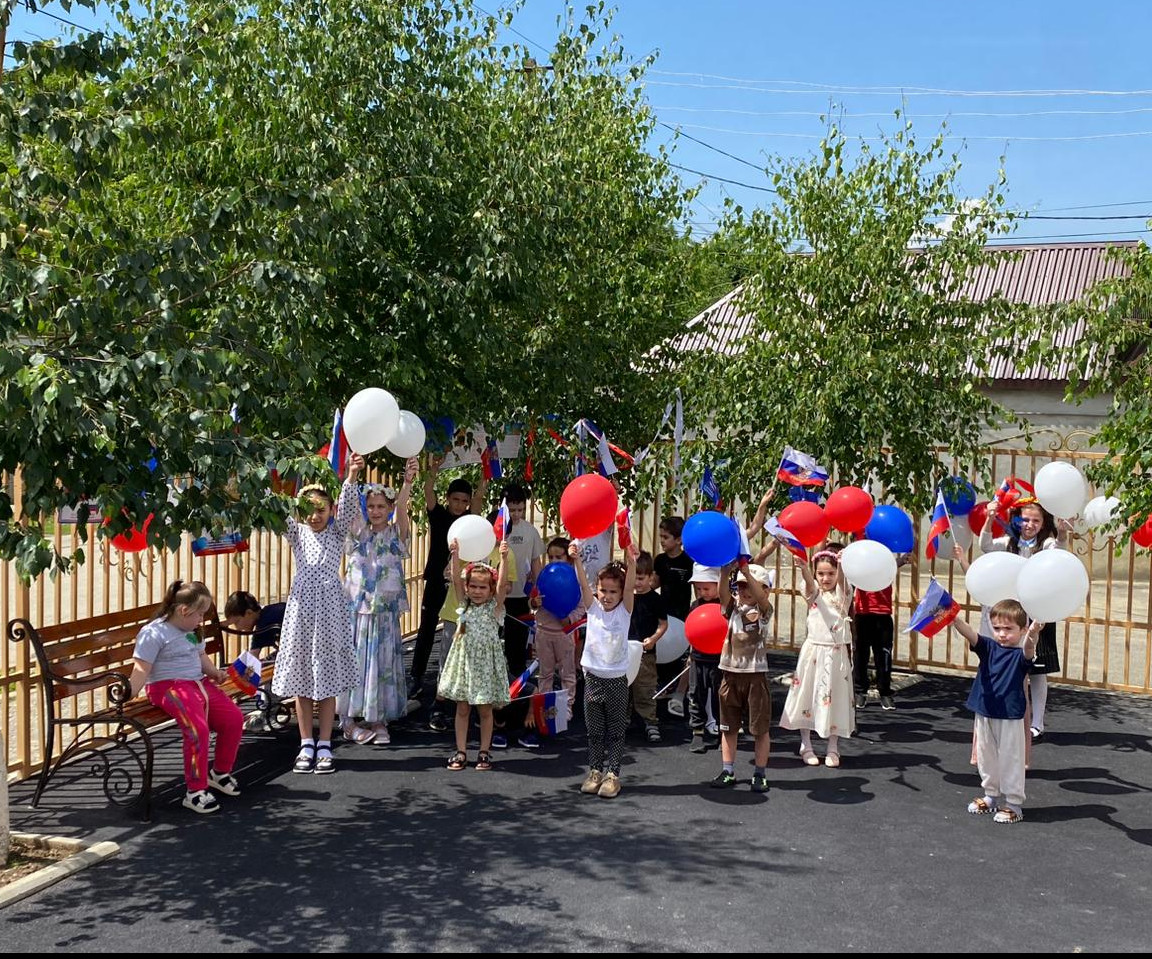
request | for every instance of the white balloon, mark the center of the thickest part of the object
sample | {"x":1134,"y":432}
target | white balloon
{"x":1100,"y":511}
{"x":673,"y":644}
{"x":1053,"y":585}
{"x":868,"y":565}
{"x":992,"y":577}
{"x":476,"y":536}
{"x":409,"y":438}
{"x":1061,"y":489}
{"x":370,"y":419}
{"x":635,"y":654}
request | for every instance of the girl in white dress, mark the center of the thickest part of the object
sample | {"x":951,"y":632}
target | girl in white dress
{"x":317,"y":657}
{"x":821,"y":695}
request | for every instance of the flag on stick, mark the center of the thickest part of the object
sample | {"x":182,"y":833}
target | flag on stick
{"x":941,"y":524}
{"x":935,"y":611}
{"x":800,"y":469}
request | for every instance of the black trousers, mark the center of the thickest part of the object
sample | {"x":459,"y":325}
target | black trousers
{"x":704,"y":704}
{"x":516,"y":635}
{"x":874,"y":634}
{"x":435,"y":592}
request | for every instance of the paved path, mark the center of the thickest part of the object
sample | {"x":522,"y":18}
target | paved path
{"x":394,"y":852}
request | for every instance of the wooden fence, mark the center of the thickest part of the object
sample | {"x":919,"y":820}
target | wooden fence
{"x":1105,"y":646}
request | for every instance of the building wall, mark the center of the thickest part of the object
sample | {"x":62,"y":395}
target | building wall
{"x":1044,"y":408}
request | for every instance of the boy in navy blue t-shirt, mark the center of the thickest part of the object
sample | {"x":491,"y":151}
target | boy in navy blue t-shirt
{"x":997,"y":699}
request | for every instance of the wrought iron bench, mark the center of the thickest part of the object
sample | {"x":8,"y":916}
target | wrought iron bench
{"x":94,"y":656}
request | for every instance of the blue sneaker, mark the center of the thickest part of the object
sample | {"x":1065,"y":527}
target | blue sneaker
{"x":530,"y":741}
{"x":499,"y":741}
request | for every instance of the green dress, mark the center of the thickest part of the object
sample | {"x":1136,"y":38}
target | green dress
{"x":475,"y":671}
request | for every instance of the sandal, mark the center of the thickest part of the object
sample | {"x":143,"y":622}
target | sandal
{"x":1008,"y":816}
{"x":832,"y":760}
{"x":458,"y":761}
{"x":809,"y":757}
{"x":484,"y":761}
{"x":325,"y":762}
{"x":980,"y":806}
{"x":305,"y":759}
{"x":360,"y":735}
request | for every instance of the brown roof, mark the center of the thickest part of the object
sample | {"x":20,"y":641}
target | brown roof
{"x":1039,"y":274}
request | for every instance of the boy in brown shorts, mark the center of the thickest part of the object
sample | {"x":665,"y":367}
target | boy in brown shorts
{"x":744,"y":675}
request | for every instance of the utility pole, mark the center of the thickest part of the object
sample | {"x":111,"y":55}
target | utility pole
{"x":5,"y":15}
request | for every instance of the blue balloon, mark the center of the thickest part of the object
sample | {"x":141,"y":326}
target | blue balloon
{"x":959,"y":495}
{"x":559,"y":589}
{"x":711,"y":539}
{"x":440,"y":433}
{"x":803,"y":494}
{"x":891,"y":526}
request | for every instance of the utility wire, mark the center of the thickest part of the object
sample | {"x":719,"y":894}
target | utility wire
{"x":703,"y":143}
{"x":712,"y":176}
{"x":917,"y":115}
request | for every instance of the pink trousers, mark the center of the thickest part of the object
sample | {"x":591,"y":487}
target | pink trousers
{"x":200,"y":709}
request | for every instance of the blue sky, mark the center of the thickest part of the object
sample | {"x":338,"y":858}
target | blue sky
{"x":786,"y":63}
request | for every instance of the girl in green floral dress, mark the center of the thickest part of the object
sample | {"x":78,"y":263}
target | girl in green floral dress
{"x":475,"y":672}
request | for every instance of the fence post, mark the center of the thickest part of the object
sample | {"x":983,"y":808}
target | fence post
{"x":22,"y":610}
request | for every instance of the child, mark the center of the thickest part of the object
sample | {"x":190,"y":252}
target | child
{"x":244,"y":614}
{"x":673,"y":568}
{"x":461,"y":499}
{"x":317,"y":658}
{"x":873,"y":634}
{"x":744,"y":676}
{"x":524,"y":540}
{"x":169,"y":659}
{"x":475,"y":673}
{"x":554,"y":647}
{"x":1032,"y":528}
{"x":704,"y":705}
{"x":375,"y":583}
{"x":997,"y":699}
{"x":821,"y":695}
{"x":649,"y":622}
{"x":605,"y":663}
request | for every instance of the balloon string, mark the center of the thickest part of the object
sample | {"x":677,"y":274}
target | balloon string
{"x":660,"y":692}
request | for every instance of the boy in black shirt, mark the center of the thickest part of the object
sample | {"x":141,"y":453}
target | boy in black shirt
{"x":673,"y":576}
{"x":649,"y":621}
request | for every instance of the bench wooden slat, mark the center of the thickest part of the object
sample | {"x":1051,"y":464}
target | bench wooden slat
{"x":96,"y":624}
{"x":74,"y":648}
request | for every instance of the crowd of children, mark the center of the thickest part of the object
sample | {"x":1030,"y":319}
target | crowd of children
{"x":340,"y":652}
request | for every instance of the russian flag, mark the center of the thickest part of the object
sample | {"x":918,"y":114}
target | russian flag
{"x":503,"y":521}
{"x":624,"y":528}
{"x":800,"y":469}
{"x":521,"y":681}
{"x":773,"y":528}
{"x":936,"y":610}
{"x":336,"y":450}
{"x":941,"y":524}
{"x":247,"y":672}
{"x":228,"y":543}
{"x":550,"y":710}
{"x":490,"y":461}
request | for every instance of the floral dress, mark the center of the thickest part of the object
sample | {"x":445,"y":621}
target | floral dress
{"x":375,"y":584}
{"x":475,"y":671}
{"x":317,"y":659}
{"x":821,"y":695}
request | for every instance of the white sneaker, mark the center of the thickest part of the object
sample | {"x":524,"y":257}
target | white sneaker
{"x":201,"y":801}
{"x":223,"y":782}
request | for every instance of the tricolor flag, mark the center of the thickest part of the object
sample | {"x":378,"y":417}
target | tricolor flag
{"x":490,"y":461}
{"x":579,"y":624}
{"x":228,"y":543}
{"x":550,"y":710}
{"x":745,"y":546}
{"x":936,"y":610}
{"x":624,"y":528}
{"x":247,"y":672}
{"x":338,"y":445}
{"x":521,"y":681}
{"x":941,"y":524}
{"x":800,"y":469}
{"x":503,"y":521}
{"x":710,"y":488}
{"x":773,"y":528}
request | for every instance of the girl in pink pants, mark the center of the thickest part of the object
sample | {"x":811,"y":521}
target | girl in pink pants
{"x":169,"y":658}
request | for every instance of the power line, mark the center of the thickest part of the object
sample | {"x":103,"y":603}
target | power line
{"x":1097,"y":206}
{"x":703,"y":143}
{"x":917,"y":115}
{"x":522,"y":36}
{"x":71,"y":23}
{"x":951,"y":136}
{"x":712,"y":176}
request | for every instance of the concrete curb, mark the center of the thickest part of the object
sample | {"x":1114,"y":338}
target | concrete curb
{"x":82,"y":856}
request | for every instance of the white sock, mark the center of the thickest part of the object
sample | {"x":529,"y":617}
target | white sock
{"x":806,"y":740}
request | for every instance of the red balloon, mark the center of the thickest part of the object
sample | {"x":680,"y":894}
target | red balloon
{"x":805,"y":521}
{"x":978,"y":517}
{"x":133,"y":541}
{"x":588,"y":506}
{"x":848,"y":509}
{"x":1143,"y":536}
{"x":706,"y":628}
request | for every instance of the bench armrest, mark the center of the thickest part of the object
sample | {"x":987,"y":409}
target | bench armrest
{"x":119,"y":685}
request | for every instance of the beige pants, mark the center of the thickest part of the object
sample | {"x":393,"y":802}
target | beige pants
{"x":1000,"y":756}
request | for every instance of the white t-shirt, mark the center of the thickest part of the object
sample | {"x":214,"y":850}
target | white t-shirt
{"x":606,"y":641}
{"x":595,"y":554}
{"x":525,"y":544}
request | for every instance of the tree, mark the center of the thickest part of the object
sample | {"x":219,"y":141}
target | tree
{"x":225,"y":218}
{"x":864,"y":349}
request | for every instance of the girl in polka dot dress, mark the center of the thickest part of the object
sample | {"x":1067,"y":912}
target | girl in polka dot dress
{"x":317,"y":657}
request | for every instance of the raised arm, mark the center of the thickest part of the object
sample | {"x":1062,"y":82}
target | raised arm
{"x":961,"y":626}
{"x":434,"y":462}
{"x":457,"y":571}
{"x":806,"y":572}
{"x":586,"y":596}
{"x":960,"y":556}
{"x":758,"y":593}
{"x":766,"y":551}
{"x":503,"y":585}
{"x":1031,"y":637}
{"x":348,"y":507}
{"x":761,"y":515}
{"x":629,"y":599}
{"x":480,"y":495}
{"x":403,"y":520}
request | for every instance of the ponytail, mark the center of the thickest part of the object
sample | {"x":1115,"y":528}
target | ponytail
{"x":182,"y":594}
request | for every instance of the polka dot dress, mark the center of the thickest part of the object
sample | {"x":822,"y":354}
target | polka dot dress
{"x":317,"y":657}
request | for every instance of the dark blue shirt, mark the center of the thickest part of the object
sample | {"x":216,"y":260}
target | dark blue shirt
{"x":998,"y":692}
{"x":268,"y":623}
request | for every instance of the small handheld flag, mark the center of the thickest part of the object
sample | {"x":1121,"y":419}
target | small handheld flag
{"x":941,"y":524}
{"x":521,"y":681}
{"x":550,"y":710}
{"x":624,"y":528}
{"x":338,"y":446}
{"x":773,"y":528}
{"x":935,"y":611}
{"x":709,"y":487}
{"x":503,"y":521}
{"x":490,"y":461}
{"x":246,"y":672}
{"x":800,"y":469}
{"x":228,"y":543}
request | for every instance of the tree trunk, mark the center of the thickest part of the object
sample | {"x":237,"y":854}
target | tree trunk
{"x":4,"y":824}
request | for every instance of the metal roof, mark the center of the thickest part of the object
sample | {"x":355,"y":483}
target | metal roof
{"x":1041,"y":274}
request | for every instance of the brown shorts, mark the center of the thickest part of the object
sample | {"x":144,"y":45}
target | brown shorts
{"x":738,"y":690}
